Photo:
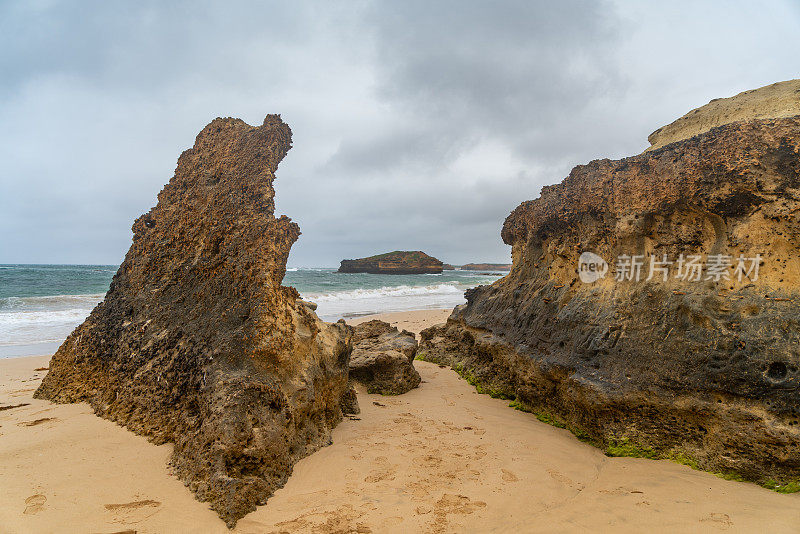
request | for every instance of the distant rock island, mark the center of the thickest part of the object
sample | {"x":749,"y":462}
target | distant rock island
{"x":397,"y":262}
{"x":478,"y":267}
{"x":486,"y":267}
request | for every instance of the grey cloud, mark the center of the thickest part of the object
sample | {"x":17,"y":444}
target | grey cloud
{"x":509,"y":72}
{"x":416,"y":124}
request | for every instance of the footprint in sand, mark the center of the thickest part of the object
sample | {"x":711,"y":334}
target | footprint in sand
{"x":413,"y":425}
{"x":383,"y":471}
{"x":509,"y":476}
{"x":342,"y":519}
{"x":721,"y":521}
{"x":473,"y":413}
{"x":564,"y":479}
{"x":429,"y":461}
{"x":450,"y":504}
{"x":34,"y":504}
{"x":478,"y":453}
{"x":133,"y":512}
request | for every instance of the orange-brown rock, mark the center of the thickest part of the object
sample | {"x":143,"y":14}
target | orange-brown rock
{"x":198,"y":344}
{"x":706,"y":369}
{"x":383,"y":358}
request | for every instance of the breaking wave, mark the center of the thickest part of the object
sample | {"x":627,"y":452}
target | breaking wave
{"x":28,"y":322}
{"x":25,"y":320}
{"x":388,"y":292}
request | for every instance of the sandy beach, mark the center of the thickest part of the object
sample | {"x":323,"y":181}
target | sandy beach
{"x":440,"y":458}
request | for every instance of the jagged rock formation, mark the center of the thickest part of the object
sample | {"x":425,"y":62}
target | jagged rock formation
{"x":706,"y":369}
{"x":383,"y":358}
{"x":198,"y":344}
{"x":398,"y":262}
{"x":773,"y":101}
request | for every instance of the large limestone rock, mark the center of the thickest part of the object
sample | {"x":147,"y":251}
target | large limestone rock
{"x":706,"y":369}
{"x":383,"y":358}
{"x":198,"y":344}
{"x":773,"y":101}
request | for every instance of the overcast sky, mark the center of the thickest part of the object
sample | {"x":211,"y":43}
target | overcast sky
{"x":417,"y":124}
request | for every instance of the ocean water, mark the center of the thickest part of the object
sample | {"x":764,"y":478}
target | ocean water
{"x":41,"y":304}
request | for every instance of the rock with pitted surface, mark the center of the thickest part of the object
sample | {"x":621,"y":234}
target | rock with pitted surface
{"x":198,"y":344}
{"x":383,"y":358}
{"x":398,"y":262}
{"x":705,"y":368}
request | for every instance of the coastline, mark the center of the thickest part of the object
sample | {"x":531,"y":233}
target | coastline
{"x":440,"y":458}
{"x":414,"y":321}
{"x":33,"y":322}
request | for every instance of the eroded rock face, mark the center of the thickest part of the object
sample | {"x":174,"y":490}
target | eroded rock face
{"x":383,"y":358}
{"x":707,"y":369}
{"x":197,"y":343}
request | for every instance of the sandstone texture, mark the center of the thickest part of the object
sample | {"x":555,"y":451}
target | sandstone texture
{"x":773,"y":101}
{"x":198,"y":344}
{"x":398,"y":262}
{"x":707,"y":371}
{"x":383,"y":358}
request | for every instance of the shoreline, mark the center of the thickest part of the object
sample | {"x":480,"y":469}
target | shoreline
{"x":414,"y":321}
{"x":15,"y":356}
{"x":439,"y":458}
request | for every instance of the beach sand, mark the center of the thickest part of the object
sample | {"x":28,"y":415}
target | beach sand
{"x":440,"y":458}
